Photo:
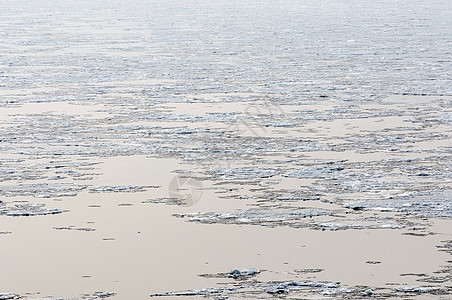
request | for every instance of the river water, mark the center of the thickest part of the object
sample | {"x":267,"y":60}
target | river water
{"x":149,"y":148}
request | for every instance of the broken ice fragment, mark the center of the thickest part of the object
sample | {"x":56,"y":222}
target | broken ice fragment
{"x":7,"y":296}
{"x":236,"y":273}
{"x":413,"y":289}
{"x":20,"y":210}
{"x":117,"y":189}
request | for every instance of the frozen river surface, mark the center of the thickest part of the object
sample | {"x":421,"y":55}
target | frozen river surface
{"x":225,"y":149}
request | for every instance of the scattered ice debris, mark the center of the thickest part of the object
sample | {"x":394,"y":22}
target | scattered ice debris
{"x":28,"y":209}
{"x":122,"y":189}
{"x":74,"y":228}
{"x":249,"y":288}
{"x":371,"y":165}
{"x":306,"y":289}
{"x":95,"y":296}
{"x":169,"y":201}
{"x":387,"y":147}
{"x":305,"y":271}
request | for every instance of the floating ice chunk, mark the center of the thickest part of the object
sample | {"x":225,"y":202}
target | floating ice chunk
{"x":285,"y":287}
{"x":281,"y":288}
{"x":383,"y":209}
{"x":445,"y":118}
{"x":21,"y":210}
{"x":195,"y":292}
{"x":243,"y":220}
{"x":117,"y":189}
{"x":413,"y":289}
{"x":74,"y":228}
{"x":317,"y":171}
{"x":236,"y":273}
{"x":247,"y":173}
{"x":291,"y":216}
{"x":7,"y":296}
{"x":227,"y":216}
{"x":48,"y":190}
{"x":168,"y":201}
{"x":58,"y":177}
{"x":104,"y":294}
